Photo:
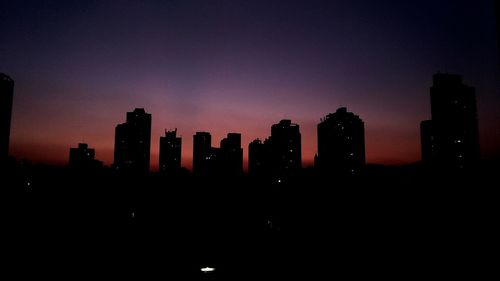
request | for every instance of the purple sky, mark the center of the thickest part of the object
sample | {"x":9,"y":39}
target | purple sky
{"x":240,"y":66}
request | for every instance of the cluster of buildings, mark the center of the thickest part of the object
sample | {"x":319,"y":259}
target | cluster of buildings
{"x":449,"y":140}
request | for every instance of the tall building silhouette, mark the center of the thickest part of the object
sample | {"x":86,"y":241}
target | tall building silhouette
{"x":202,"y":152}
{"x":231,"y":155}
{"x":133,"y":142}
{"x":226,"y":160}
{"x":170,"y":151}
{"x":450,"y":139}
{"x":6,"y":98}
{"x":83,"y":158}
{"x":341,"y":143}
{"x":258,"y":158}
{"x":285,"y":148}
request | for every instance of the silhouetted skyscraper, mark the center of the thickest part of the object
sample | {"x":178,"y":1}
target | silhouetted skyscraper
{"x":231,"y":154}
{"x":341,"y":143}
{"x":226,"y":160}
{"x":6,"y":97}
{"x":258,"y":158}
{"x":133,"y":142}
{"x":285,"y":148}
{"x":170,"y":151}
{"x":450,"y":139}
{"x":202,"y":146}
{"x":83,"y":158}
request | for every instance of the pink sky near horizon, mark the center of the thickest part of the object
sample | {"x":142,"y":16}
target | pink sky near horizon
{"x":44,"y":129}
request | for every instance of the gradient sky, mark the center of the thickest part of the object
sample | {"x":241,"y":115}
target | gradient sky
{"x":240,"y":66}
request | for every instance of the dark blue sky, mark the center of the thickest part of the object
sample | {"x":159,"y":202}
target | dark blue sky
{"x":241,"y":66}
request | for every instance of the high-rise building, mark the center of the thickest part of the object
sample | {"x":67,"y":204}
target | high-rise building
{"x":226,"y":160}
{"x":6,"y":97}
{"x":341,"y":143}
{"x":170,"y":151}
{"x":133,"y":142}
{"x":231,"y":155}
{"x":83,"y":158}
{"x":202,"y":152}
{"x":451,"y":139}
{"x":258,"y":154}
{"x":285,"y":148}
{"x":280,"y":155}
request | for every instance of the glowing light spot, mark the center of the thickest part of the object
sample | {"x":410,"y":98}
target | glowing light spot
{"x":207,"y":269}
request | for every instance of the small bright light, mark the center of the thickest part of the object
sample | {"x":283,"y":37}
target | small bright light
{"x":28,"y":183}
{"x":279,"y":181}
{"x":207,"y":269}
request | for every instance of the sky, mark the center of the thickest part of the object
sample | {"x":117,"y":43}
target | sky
{"x":240,"y":66}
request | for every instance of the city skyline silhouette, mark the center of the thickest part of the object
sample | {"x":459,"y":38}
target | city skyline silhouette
{"x":261,"y":70}
{"x":340,"y":135}
{"x":449,"y":141}
{"x":249,"y":140}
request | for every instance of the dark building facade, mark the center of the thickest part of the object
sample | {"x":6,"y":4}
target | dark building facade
{"x":133,"y":142}
{"x":202,"y":153}
{"x":258,"y":158}
{"x":450,"y":140}
{"x":278,"y":156}
{"x":170,"y":151}
{"x":285,"y":148}
{"x":231,"y":155}
{"x":83,"y":158}
{"x":341,"y":143}
{"x":226,"y":160}
{"x":6,"y":98}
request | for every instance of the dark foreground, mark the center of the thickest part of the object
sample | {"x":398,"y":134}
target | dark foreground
{"x":390,"y":223}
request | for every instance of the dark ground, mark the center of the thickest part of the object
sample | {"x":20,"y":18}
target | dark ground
{"x":395,"y":223}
